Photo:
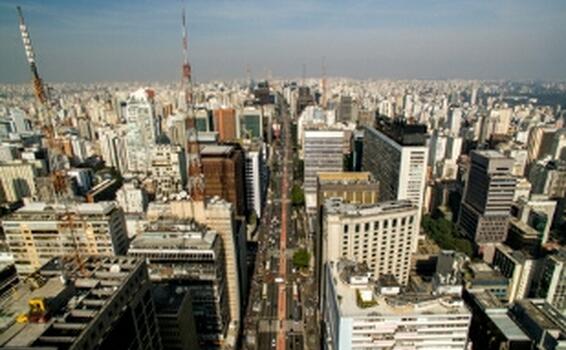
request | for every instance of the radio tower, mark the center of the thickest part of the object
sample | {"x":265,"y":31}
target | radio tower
{"x":196,"y":176}
{"x":324,"y":85}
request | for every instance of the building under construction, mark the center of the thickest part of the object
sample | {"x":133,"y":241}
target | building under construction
{"x":101,"y":303}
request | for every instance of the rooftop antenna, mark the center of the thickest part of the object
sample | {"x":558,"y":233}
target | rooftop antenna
{"x":304,"y":74}
{"x":324,"y":84}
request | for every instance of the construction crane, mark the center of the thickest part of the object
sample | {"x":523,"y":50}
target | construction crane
{"x":38,"y":87}
{"x":196,"y":175}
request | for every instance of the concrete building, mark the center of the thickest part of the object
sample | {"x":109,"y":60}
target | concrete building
{"x":39,"y":231}
{"x":396,"y":155}
{"x":548,"y":177}
{"x":132,"y":198}
{"x":191,"y":258}
{"x":362,"y":312}
{"x":552,"y":280}
{"x":352,"y":187}
{"x":224,"y":174}
{"x":492,"y":326}
{"x":142,"y":130}
{"x":256,"y":178}
{"x":99,"y":303}
{"x":538,"y":213}
{"x":544,"y":324}
{"x":521,"y":236}
{"x":518,"y":267}
{"x":17,"y":180}
{"x":112,"y":143}
{"x":175,"y":317}
{"x":224,"y":120}
{"x":487,"y":199}
{"x":168,"y":168}
{"x":323,"y":152}
{"x":382,"y":235}
{"x":251,"y":123}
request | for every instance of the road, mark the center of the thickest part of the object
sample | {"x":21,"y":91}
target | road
{"x":276,"y":315}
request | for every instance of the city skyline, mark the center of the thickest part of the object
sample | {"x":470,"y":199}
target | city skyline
{"x":85,"y":42}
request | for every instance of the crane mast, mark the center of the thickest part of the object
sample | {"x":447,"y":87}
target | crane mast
{"x":38,"y":87}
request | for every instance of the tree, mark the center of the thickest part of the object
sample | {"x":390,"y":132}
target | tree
{"x":297,"y":196}
{"x":301,"y":258}
{"x":446,"y":235}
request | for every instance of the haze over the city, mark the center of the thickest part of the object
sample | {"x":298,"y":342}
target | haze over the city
{"x":86,"y":41}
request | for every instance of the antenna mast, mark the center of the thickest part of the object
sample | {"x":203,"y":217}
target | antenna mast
{"x":196,"y":176}
{"x":324,"y":84}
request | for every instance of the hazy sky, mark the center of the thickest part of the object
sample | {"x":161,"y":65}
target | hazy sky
{"x":105,"y":40}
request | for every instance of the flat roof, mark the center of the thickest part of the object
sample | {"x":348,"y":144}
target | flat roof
{"x":506,"y":325}
{"x":215,"y":150}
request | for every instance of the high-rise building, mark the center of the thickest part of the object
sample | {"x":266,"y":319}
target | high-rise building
{"x":113,"y":148}
{"x":518,"y":267}
{"x":39,"y":231}
{"x":168,"y":169}
{"x":454,"y":120}
{"x":223,"y":167}
{"x":251,"y":123}
{"x":396,"y":155}
{"x":323,"y":152}
{"x":362,"y":312}
{"x":548,"y":177}
{"x":544,"y":324}
{"x":540,"y":142}
{"x":256,"y":178}
{"x":97,"y":303}
{"x":132,"y":198}
{"x":17,"y":180}
{"x":142,"y":130}
{"x":225,"y":124}
{"x":488,"y":195}
{"x":191,"y":258}
{"x":382,"y":235}
{"x":552,"y":280}
{"x":352,"y":187}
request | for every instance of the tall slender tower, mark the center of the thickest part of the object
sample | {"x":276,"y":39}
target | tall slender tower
{"x":196,"y":175}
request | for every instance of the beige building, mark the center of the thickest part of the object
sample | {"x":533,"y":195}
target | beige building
{"x":353,"y":187}
{"x":217,"y":214}
{"x":17,"y":179}
{"x":382,"y":235}
{"x":39,"y":231}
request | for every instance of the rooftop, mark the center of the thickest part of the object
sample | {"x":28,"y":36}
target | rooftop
{"x":62,"y":208}
{"x":336,"y":205}
{"x":356,"y":298}
{"x":174,"y":235}
{"x":507,"y":326}
{"x":215,"y":150}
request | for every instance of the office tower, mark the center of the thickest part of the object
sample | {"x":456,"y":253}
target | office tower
{"x":223,"y":167}
{"x":357,"y":146}
{"x":202,"y":119}
{"x":362,"y":312}
{"x":224,"y":120}
{"x":17,"y":180}
{"x":95,"y":303}
{"x":168,"y":169}
{"x":256,"y":178}
{"x":521,"y":236}
{"x":113,"y":148}
{"x":251,"y":123}
{"x":323,"y":152}
{"x":540,"y":142}
{"x":39,"y":231}
{"x":492,"y":325}
{"x":175,"y":317}
{"x":437,"y":148}
{"x":454,"y":120}
{"x":544,"y":324}
{"x":501,"y":120}
{"x":488,"y":195}
{"x":518,"y":267}
{"x":382,"y":235}
{"x":352,"y":187}
{"x":551,"y":284}
{"x":558,"y":150}
{"x":346,"y":109}
{"x":191,"y":258}
{"x":396,"y":154}
{"x":132,"y":198}
{"x":142,"y":130}
{"x":304,"y":99}
{"x":548,"y":177}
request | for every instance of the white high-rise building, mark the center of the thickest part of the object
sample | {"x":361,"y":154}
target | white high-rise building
{"x":113,"y":148}
{"x":132,"y":198}
{"x":168,"y":168}
{"x":397,"y":158}
{"x":256,"y":179}
{"x":323,"y":152}
{"x":142,"y":130}
{"x":382,"y":235}
{"x":454,"y":120}
{"x":361,"y":312}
